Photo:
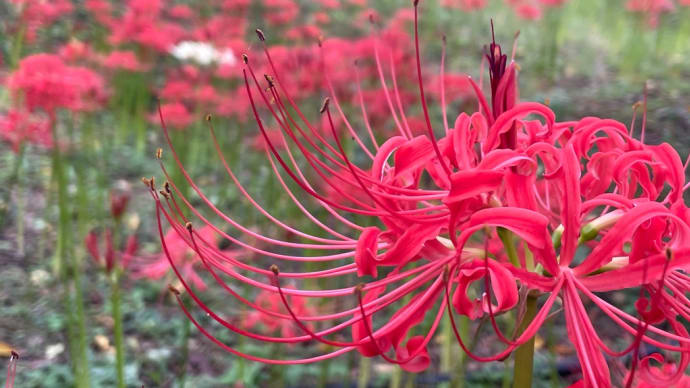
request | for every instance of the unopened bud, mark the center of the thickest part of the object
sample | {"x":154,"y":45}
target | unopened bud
{"x":118,"y":203}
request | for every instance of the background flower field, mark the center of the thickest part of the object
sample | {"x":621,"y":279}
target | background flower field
{"x":82,"y":82}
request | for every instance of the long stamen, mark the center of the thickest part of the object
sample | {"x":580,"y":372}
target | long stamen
{"x":430,"y":130}
{"x":442,"y":84}
{"x":11,"y":369}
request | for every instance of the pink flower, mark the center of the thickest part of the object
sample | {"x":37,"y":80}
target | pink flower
{"x":44,"y":81}
{"x":528,"y":11}
{"x":651,"y":8}
{"x":465,"y":5}
{"x":280,"y":12}
{"x":38,"y":13}
{"x":75,"y":51}
{"x":175,"y":113}
{"x":125,"y":60}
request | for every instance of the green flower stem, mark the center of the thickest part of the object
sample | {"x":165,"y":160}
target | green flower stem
{"x":457,"y":378}
{"x":76,"y":332}
{"x":323,"y":373}
{"x":396,"y":377}
{"x":186,"y":332}
{"x":83,"y":215}
{"x":524,"y":355}
{"x":115,"y":301}
{"x":506,"y":237}
{"x":11,"y":180}
{"x":18,"y":175}
{"x":364,"y":372}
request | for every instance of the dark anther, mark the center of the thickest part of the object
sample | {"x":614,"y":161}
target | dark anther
{"x":269,"y":79}
{"x":324,"y":106}
{"x":174,"y":290}
{"x":358,"y":288}
{"x":274,"y":269}
{"x":260,"y":34}
{"x":208,"y":117}
{"x":245,"y":59}
{"x":166,"y":187}
{"x":159,"y":153}
{"x":188,"y":225}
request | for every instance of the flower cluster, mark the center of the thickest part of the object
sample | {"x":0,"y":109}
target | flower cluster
{"x":507,"y":199}
{"x":42,"y":84}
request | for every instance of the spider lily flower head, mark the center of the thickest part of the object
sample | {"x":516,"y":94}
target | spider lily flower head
{"x":505,"y":198}
{"x":44,"y":81}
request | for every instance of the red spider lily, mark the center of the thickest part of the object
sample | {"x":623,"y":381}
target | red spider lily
{"x":507,"y":197}
{"x":44,"y":81}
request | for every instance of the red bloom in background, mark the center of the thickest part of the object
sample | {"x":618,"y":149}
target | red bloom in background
{"x":19,"y":126}
{"x":185,"y":258}
{"x":652,"y":9}
{"x":44,"y":81}
{"x":36,"y":14}
{"x":465,"y":5}
{"x":123,"y":60}
{"x":268,"y":306}
{"x":175,"y":113}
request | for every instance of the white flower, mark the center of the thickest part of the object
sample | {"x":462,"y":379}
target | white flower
{"x":202,"y":53}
